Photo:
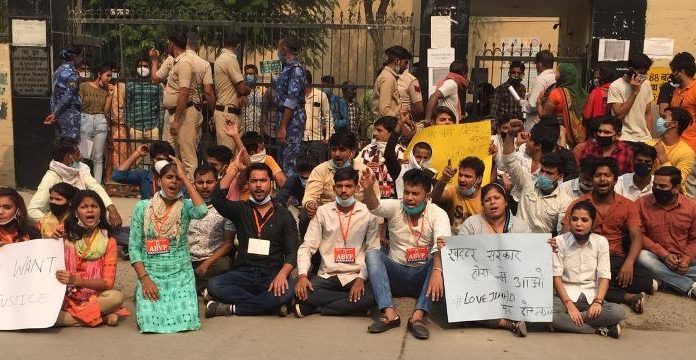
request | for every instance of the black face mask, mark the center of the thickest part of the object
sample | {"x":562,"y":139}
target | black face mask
{"x":642,"y":169}
{"x":58,"y":210}
{"x":662,"y":196}
{"x":673,"y":79}
{"x":604,"y":141}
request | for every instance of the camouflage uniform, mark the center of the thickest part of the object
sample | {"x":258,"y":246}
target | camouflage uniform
{"x":65,"y":101}
{"x":289,"y":93}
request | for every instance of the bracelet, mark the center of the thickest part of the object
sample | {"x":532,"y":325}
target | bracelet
{"x":598,"y":301}
{"x":302,"y":276}
{"x":437,"y":269}
{"x":140,"y":277}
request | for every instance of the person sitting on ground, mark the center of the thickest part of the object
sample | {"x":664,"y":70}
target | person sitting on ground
{"x":496,"y":218}
{"x":15,"y":225}
{"x":145,"y":179}
{"x":583,"y":183}
{"x":541,"y":203}
{"x":639,"y":182}
{"x":52,"y":224}
{"x":211,"y":238}
{"x":461,"y":201}
{"x":266,"y":255}
{"x":669,"y":233}
{"x":607,"y":144}
{"x":90,"y":266}
{"x":66,"y":167}
{"x":295,"y":186}
{"x":218,"y":157}
{"x":340,"y":286}
{"x":443,"y":116}
{"x":165,"y":295}
{"x":372,"y":155}
{"x":413,"y":266}
{"x":671,"y":149}
{"x":420,"y":157}
{"x":616,"y":217}
{"x":255,"y":152}
{"x":581,"y":271}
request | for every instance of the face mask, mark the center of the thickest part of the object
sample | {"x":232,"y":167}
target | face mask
{"x":662,"y":196}
{"x":259,"y":157}
{"x":58,"y":210}
{"x":641,"y":169}
{"x":545,"y":183}
{"x":604,"y":141}
{"x":250,"y":79}
{"x":303,"y":182}
{"x":584,"y":188}
{"x":661,"y":126}
{"x":674,"y":79}
{"x":10,"y":220}
{"x":262,"y":202}
{"x":82,"y":225}
{"x":164,"y":196}
{"x":583,"y":237}
{"x":74,"y":164}
{"x":398,"y":69}
{"x":515,"y":78}
{"x":143,"y":71}
{"x":85,"y":74}
{"x":467,"y":192}
{"x":346,"y":164}
{"x":412,"y":211}
{"x":345,"y":203}
{"x":114,"y":75}
{"x":594,"y":82}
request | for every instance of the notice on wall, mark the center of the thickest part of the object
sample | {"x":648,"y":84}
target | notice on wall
{"x":440,"y":58}
{"x":31,"y":73}
{"x":440,"y":32}
{"x":496,"y":276}
{"x":30,"y":295}
{"x":658,"y":48}
{"x":613,"y":50}
{"x":455,"y":142}
{"x":658,"y":76}
{"x":28,"y":32}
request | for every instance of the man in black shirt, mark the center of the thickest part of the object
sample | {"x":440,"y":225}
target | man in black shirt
{"x":267,"y":252}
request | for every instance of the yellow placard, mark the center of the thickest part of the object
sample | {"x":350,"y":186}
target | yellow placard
{"x":658,"y":76}
{"x":455,"y":142}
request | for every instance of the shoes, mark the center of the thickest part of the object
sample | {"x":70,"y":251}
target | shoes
{"x":214,"y":308}
{"x":282,"y":311}
{"x":519,"y":328}
{"x":383,"y":325}
{"x":613,"y":331}
{"x":656,"y":285}
{"x":112,"y":319}
{"x":692,"y":292}
{"x":206,"y":296}
{"x":302,"y":310}
{"x":418,"y":330}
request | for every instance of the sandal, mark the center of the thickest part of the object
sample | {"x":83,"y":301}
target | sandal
{"x":112,"y":319}
{"x":636,"y":303}
{"x":519,"y":328}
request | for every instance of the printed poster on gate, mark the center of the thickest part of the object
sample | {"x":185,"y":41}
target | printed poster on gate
{"x":496,"y":276}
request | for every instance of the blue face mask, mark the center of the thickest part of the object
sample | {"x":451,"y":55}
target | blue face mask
{"x":544,"y":183}
{"x":164,"y":196}
{"x":250,"y":79}
{"x":346,"y":164}
{"x":262,"y":202}
{"x":75,"y":164}
{"x":660,"y":126}
{"x":412,"y":211}
{"x":345,"y":203}
{"x":467,"y":192}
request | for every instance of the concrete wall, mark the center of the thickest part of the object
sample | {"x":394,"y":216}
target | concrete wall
{"x":672,"y":19}
{"x":7,"y":173}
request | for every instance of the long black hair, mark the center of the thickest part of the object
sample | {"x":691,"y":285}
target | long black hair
{"x":72,"y":229}
{"x":23,"y":223}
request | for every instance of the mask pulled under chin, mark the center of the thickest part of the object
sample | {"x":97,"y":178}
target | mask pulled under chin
{"x":345,"y":203}
{"x":413,"y":210}
{"x":265,"y":200}
{"x":164,"y":195}
{"x":83,"y":226}
{"x":10,"y":220}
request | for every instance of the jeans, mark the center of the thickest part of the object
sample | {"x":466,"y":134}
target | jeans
{"x":220,"y":266}
{"x":247,"y":289}
{"x":95,"y":128}
{"x":388,"y":276}
{"x":642,"y":281}
{"x":658,"y":269}
{"x":611,"y":314}
{"x":331,"y":298}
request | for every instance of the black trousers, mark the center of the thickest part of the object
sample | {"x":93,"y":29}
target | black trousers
{"x":331,"y":298}
{"x":642,"y":281}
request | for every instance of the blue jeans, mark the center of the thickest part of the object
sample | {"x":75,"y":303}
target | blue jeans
{"x":388,"y":276}
{"x":94,"y":127}
{"x":658,"y":269}
{"x":247,"y":289}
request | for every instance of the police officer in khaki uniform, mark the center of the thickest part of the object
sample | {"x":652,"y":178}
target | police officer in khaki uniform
{"x":203,"y":71}
{"x":409,"y":91}
{"x":386,"y":100}
{"x":230,"y":87}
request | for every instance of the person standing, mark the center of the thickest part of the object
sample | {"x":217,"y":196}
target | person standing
{"x":386,"y":100}
{"x":596,"y":104}
{"x":565,"y":101}
{"x":65,"y":101}
{"x":504,"y":105}
{"x":339,"y":108}
{"x":230,"y":87}
{"x":683,"y":69}
{"x":96,"y":98}
{"x":318,"y":127}
{"x":450,"y":92}
{"x":290,"y":99}
{"x":143,"y":109}
{"x":630,"y":98}
{"x":546,"y":77}
{"x":410,"y":91}
{"x":354,"y":111}
{"x":252,"y":110}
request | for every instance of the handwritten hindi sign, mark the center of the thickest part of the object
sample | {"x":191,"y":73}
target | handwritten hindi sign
{"x":658,"y":76}
{"x":456,"y":142}
{"x":498,"y":276}
{"x":30,"y":295}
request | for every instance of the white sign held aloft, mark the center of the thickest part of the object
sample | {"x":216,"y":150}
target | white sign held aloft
{"x":498,"y":276}
{"x":30,"y":294}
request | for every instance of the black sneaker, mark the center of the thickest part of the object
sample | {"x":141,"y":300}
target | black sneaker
{"x":282,"y":311}
{"x":613,"y":331}
{"x":302,"y":310}
{"x":214,"y":308}
{"x":382,"y":325}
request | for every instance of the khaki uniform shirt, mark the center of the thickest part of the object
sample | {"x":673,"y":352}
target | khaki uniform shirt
{"x":386,"y":100}
{"x":180,"y":75}
{"x":227,"y":74}
{"x":320,"y":184}
{"x":409,"y":90}
{"x":203,"y":74}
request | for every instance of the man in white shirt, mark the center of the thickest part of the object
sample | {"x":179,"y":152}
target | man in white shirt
{"x":447,"y":93}
{"x":319,"y":125}
{"x":630,"y":98}
{"x":638,"y":183}
{"x":583,"y":183}
{"x":545,"y":77}
{"x":341,"y":231}
{"x":413,"y":266}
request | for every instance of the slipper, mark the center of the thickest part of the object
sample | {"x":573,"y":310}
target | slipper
{"x":636,"y":303}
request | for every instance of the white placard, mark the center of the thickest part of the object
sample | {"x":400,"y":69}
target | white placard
{"x":440,"y":32}
{"x":498,"y":276}
{"x":441,"y":57}
{"x":30,"y":295}
{"x":28,"y":32}
{"x":435,"y":75}
{"x":613,"y":50}
{"x":658,"y":48}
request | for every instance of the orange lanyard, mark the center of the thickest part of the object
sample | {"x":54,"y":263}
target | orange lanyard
{"x":344,"y":234}
{"x":159,"y":222}
{"x":410,"y":228}
{"x":259,"y":226}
